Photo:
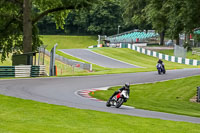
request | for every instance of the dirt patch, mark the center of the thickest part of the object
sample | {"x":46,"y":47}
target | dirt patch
{"x":194,"y":99}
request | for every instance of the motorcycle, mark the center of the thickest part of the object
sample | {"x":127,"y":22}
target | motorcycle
{"x":119,"y":99}
{"x":161,"y":68}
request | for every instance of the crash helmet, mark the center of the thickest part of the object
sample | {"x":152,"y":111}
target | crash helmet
{"x":127,"y":85}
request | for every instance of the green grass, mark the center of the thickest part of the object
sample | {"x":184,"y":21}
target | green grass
{"x":170,"y":96}
{"x":27,"y":116}
{"x":126,"y":55}
{"x":147,"y":62}
{"x":136,"y":58}
{"x":68,"y":42}
{"x":189,"y":54}
{"x":8,"y":61}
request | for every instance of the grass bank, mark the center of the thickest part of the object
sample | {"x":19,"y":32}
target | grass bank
{"x":136,"y":58}
{"x":22,"y":116}
{"x":189,"y":54}
{"x":170,"y":96}
{"x":68,"y":42}
{"x":64,"y":42}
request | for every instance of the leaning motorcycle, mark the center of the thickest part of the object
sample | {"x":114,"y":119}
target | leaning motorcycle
{"x":161,"y":68}
{"x":118,"y":100}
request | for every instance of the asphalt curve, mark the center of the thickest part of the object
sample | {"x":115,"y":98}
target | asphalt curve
{"x":61,"y":91}
{"x":97,"y":59}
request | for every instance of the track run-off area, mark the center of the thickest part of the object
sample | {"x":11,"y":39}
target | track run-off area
{"x":63,"y":91}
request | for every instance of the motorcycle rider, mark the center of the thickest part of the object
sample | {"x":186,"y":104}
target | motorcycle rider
{"x":125,"y":87}
{"x":161,"y":62}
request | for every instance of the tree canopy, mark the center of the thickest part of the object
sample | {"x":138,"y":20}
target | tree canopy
{"x":20,"y":19}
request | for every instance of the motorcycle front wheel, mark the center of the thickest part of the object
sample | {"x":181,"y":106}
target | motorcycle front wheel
{"x":108,"y":104}
{"x":119,"y":102}
{"x":159,"y":71}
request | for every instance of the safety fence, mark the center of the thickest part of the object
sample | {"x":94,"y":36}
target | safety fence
{"x":160,"y":55}
{"x":22,"y":71}
{"x":72,"y":63}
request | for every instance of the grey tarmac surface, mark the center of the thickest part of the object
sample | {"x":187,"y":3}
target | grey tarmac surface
{"x":97,"y":59}
{"x":61,"y":91}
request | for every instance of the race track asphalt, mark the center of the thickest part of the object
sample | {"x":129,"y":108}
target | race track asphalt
{"x":97,"y":59}
{"x":61,"y":91}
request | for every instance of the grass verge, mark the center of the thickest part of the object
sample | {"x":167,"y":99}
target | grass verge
{"x":68,"y":42}
{"x":170,"y":96}
{"x":136,"y":58}
{"x":22,"y":116}
{"x":189,"y":54}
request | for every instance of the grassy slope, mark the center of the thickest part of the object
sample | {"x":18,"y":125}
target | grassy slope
{"x":129,"y":56}
{"x":189,"y":54}
{"x":137,"y":58}
{"x":121,"y":54}
{"x":125,"y":55}
{"x":68,"y":42}
{"x":169,"y":96}
{"x":22,"y":116}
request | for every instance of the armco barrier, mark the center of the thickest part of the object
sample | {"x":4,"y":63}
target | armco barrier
{"x":22,"y":71}
{"x":73,"y":63}
{"x":160,"y":55}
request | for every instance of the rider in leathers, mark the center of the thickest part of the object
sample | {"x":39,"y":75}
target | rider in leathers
{"x":125,"y":87}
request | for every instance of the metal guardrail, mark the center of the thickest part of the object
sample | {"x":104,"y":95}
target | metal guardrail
{"x":72,"y":63}
{"x":196,"y":52}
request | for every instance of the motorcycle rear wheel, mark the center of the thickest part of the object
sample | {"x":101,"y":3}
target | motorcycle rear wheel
{"x":119,"y":102}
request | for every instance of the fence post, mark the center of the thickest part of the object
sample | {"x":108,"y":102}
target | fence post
{"x":52,"y":61}
{"x":198,"y":94}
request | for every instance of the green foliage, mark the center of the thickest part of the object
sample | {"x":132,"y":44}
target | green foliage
{"x":134,"y":14}
{"x":102,"y":18}
{"x":11,"y":21}
{"x":173,"y":16}
{"x":156,"y":14}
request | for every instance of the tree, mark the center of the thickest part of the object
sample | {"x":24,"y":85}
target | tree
{"x":156,"y":13}
{"x":18,"y":19}
{"x":134,"y":13}
{"x":184,"y":17}
{"x":102,"y":18}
